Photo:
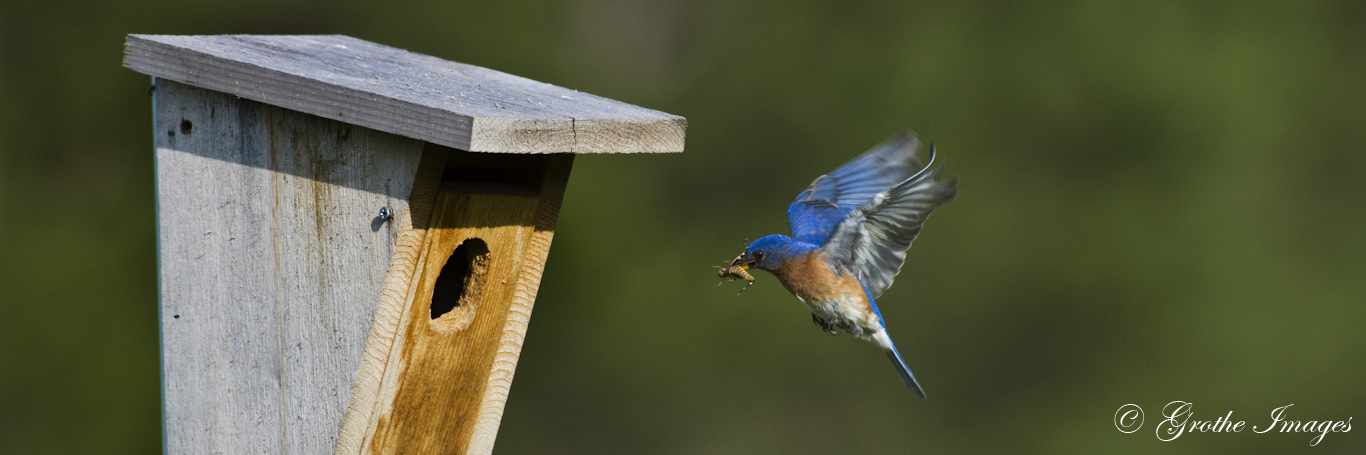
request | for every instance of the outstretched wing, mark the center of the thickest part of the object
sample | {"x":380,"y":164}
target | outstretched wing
{"x":831,"y":197}
{"x":872,"y":241}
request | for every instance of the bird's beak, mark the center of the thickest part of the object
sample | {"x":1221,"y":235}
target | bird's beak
{"x":743,"y":262}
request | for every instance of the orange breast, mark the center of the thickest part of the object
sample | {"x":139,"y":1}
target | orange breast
{"x":814,"y":282}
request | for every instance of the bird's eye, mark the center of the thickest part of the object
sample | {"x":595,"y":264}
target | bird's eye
{"x":759,"y":255}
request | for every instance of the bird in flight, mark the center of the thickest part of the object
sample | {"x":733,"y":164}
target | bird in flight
{"x":850,"y":232}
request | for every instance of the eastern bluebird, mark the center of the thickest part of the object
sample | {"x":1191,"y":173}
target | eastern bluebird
{"x":850,"y":232}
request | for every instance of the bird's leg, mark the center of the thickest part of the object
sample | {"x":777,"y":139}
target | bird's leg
{"x":852,"y":328}
{"x":828,"y":326}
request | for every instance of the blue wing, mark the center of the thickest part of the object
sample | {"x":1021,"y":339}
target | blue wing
{"x":832,"y":197}
{"x":871,"y":242}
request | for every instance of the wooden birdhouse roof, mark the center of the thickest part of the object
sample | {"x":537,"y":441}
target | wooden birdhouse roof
{"x":419,"y":96}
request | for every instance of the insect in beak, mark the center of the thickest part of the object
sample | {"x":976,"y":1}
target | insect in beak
{"x":734,"y":271}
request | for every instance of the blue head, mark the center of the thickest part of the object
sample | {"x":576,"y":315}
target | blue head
{"x":771,"y":251}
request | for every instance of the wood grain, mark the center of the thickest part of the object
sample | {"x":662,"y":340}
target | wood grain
{"x":438,"y":392}
{"x":271,"y":262}
{"x":445,"y":381}
{"x":443,"y":102}
{"x":535,"y":254}
{"x":294,"y":319}
{"x":393,"y":301}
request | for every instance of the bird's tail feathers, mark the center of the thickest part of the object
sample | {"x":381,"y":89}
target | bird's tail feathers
{"x":905,"y":372}
{"x":902,"y":370}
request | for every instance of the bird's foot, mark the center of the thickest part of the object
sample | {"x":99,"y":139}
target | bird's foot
{"x":828,"y":326}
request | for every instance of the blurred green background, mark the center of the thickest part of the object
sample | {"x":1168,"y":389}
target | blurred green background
{"x":1159,"y":201}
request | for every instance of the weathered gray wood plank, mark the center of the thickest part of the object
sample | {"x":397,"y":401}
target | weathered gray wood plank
{"x":271,"y":264}
{"x":453,"y":104}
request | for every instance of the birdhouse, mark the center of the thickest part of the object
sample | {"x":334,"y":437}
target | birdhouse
{"x":351,"y":237}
